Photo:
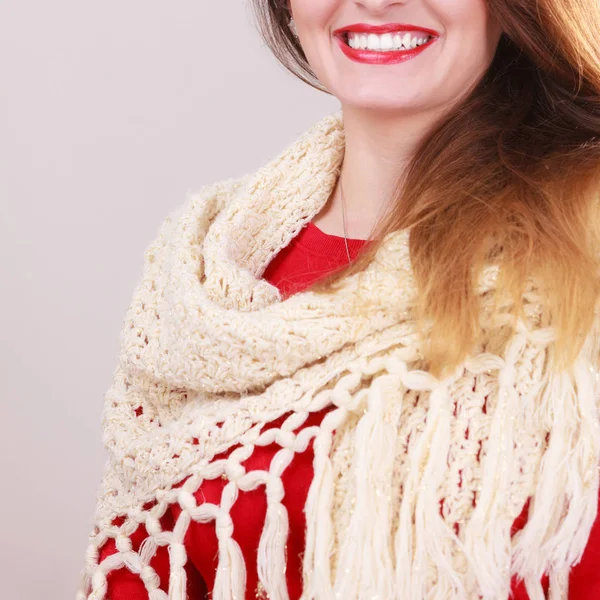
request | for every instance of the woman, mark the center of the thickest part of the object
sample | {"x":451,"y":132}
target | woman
{"x":421,"y":422}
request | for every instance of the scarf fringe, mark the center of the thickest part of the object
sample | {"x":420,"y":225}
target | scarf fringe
{"x":534,"y":589}
{"x":433,"y":535}
{"x":565,"y":502}
{"x":271,"y":548}
{"x":148,"y":575}
{"x":365,"y":562}
{"x":559,"y":584}
{"x":487,"y":535}
{"x":177,"y":552}
{"x":230,"y":579}
{"x":416,"y":561}
{"x":422,"y":533}
{"x":178,"y":576}
{"x":316,"y":567}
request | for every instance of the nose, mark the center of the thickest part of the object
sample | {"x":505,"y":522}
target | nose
{"x":380,"y":6}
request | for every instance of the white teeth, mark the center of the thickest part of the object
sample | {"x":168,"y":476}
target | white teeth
{"x":386,"y":41}
{"x":373,"y":42}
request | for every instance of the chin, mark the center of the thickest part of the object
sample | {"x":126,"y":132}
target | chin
{"x":382,"y":102}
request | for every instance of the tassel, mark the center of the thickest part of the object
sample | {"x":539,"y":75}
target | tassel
{"x":99,"y":585}
{"x":564,"y":506}
{"x":230,"y":580}
{"x":364,"y":568}
{"x":99,"y":581}
{"x":316,"y":569}
{"x":148,"y":575}
{"x":534,"y":588}
{"x":423,"y":537}
{"x":177,"y":553}
{"x":434,"y":538}
{"x":487,"y":534}
{"x":91,"y":564}
{"x":559,"y":584}
{"x":271,"y":548}
{"x":177,"y":577}
{"x":582,"y":475}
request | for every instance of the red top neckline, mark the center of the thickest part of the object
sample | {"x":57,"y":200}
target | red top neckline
{"x":315,"y":241}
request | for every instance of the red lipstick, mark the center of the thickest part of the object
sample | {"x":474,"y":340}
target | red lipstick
{"x":382,"y":57}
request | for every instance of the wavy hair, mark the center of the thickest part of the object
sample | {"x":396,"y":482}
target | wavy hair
{"x":512,"y":172}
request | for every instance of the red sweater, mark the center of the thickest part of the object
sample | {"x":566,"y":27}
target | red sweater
{"x":309,"y":256}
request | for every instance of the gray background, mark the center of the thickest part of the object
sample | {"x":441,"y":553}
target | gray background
{"x":110,"y":112}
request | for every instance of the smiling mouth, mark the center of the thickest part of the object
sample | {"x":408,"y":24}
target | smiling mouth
{"x":385,"y":42}
{"x":387,"y":47}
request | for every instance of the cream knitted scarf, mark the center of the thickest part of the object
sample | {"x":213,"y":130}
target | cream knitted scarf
{"x":210,"y":353}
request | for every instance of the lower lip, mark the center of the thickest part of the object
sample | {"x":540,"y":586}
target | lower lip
{"x":387,"y":57}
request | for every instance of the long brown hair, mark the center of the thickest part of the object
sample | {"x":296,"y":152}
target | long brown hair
{"x":511,"y":172}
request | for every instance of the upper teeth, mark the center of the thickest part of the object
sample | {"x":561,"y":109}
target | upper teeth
{"x":386,"y":41}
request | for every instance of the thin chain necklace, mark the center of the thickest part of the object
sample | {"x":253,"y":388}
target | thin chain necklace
{"x":344,"y":220}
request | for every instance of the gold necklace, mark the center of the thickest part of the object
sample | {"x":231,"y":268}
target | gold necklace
{"x":344,"y":220}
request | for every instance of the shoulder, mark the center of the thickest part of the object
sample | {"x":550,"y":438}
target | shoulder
{"x":208,"y":200}
{"x":199,"y":208}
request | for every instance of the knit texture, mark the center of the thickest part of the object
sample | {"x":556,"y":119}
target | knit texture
{"x":211,"y":353}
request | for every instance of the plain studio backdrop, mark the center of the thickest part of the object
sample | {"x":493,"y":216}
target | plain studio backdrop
{"x":110,"y":112}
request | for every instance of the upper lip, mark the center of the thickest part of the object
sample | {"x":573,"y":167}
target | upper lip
{"x":387,"y":28}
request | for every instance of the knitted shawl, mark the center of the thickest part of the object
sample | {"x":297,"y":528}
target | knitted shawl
{"x":417,"y":479}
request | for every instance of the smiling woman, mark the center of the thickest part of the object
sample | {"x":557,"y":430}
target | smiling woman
{"x":407,"y":411}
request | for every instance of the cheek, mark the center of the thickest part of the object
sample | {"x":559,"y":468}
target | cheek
{"x":457,"y":12}
{"x":313,"y":14}
{"x":468,"y":21}
{"x":315,"y":19}
{"x":470,"y":35}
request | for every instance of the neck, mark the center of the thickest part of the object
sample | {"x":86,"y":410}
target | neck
{"x":378,"y":147}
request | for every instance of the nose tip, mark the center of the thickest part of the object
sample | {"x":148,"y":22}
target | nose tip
{"x":380,"y":6}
